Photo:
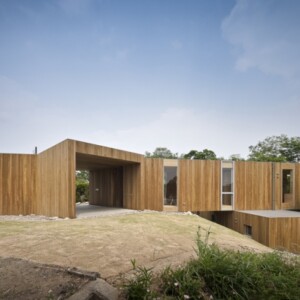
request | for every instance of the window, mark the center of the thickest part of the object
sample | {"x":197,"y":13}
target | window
{"x":287,"y":185}
{"x":227,"y":184}
{"x":170,"y":186}
{"x":248,"y":230}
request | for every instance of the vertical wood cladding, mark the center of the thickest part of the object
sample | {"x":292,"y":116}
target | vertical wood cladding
{"x":199,"y":185}
{"x":278,"y":233}
{"x":153,"y":181}
{"x":253,"y":185}
{"x":285,"y":234}
{"x":106,"y":187}
{"x":45,"y":183}
{"x":132,"y":187}
{"x":297,"y":186}
{"x":18,"y":184}
{"x":56,"y":181}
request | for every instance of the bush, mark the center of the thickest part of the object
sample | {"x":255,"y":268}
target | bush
{"x":223,"y":274}
{"x":82,"y":190}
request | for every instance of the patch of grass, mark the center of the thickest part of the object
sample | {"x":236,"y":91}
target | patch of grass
{"x":139,"y":287}
{"x":223,"y":274}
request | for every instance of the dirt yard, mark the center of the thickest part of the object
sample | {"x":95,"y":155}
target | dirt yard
{"x":21,"y":279}
{"x":107,"y":244}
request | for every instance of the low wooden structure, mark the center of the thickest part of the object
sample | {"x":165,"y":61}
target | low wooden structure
{"x":44,"y":184}
{"x":278,"y":229}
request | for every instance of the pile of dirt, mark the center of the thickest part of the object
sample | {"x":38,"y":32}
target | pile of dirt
{"x":22,"y":279}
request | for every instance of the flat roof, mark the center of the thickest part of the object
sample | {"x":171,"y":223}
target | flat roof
{"x":273,"y":213}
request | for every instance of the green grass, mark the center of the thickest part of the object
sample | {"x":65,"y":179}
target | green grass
{"x":222,"y":274}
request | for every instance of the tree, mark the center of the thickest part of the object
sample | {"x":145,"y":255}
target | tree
{"x":205,"y":154}
{"x":236,"y":157}
{"x":276,"y":148}
{"x":161,"y":152}
{"x":82,"y":186}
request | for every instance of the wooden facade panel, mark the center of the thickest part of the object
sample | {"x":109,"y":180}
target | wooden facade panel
{"x":253,"y":185}
{"x":107,"y":152}
{"x":238,"y":220}
{"x":106,"y":187}
{"x":153,"y":180}
{"x":56,"y":181}
{"x":199,"y":185}
{"x":18,"y":184}
{"x":285,"y":234}
{"x":297,"y":186}
{"x":277,"y":233}
{"x":132,"y":187}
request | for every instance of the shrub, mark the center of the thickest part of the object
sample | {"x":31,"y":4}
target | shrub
{"x":223,"y":274}
{"x":82,"y":190}
{"x":139,"y":287}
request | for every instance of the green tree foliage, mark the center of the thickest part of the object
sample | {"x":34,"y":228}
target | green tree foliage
{"x":205,"y":154}
{"x":82,"y":186}
{"x":236,"y":157}
{"x":276,"y":148}
{"x":161,"y":152}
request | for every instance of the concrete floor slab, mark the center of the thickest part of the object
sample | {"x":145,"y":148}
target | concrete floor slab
{"x":85,"y":210}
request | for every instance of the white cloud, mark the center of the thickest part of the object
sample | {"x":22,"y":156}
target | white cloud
{"x":266,"y":35}
{"x":181,"y":130}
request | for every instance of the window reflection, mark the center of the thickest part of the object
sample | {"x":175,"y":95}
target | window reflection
{"x":170,"y":186}
{"x":287,"y":185}
{"x":227,"y":180}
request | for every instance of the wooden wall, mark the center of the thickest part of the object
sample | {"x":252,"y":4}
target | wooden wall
{"x":237,"y":221}
{"x":132,"y":180}
{"x":297,"y":186}
{"x":277,"y":233}
{"x":153,"y":183}
{"x":285,"y":234}
{"x":56,"y":181}
{"x":106,"y":187}
{"x":199,"y":185}
{"x":107,"y":152}
{"x":18,"y":184}
{"x":253,"y":185}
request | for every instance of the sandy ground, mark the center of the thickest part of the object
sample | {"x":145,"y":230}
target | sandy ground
{"x":107,"y":244}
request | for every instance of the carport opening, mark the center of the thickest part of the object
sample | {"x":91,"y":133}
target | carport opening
{"x":106,"y":182}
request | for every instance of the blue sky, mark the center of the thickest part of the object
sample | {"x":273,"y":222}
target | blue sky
{"x":135,"y":75}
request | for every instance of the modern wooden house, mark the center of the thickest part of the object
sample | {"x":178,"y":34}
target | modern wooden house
{"x":230,"y":192}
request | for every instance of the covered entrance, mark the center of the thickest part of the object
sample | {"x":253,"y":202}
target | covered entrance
{"x":113,"y":182}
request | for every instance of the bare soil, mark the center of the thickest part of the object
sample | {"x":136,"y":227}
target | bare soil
{"x":106,"y":245}
{"x":21,"y":279}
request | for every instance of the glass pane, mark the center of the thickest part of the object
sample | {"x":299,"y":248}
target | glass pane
{"x":227,"y":199}
{"x":227,"y":180}
{"x":170,"y":185}
{"x":287,"y":185}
